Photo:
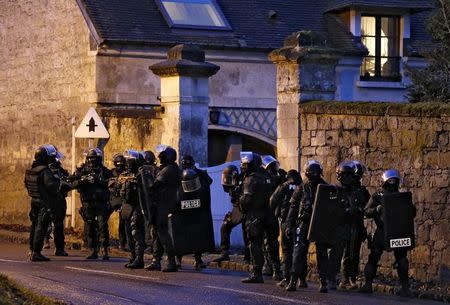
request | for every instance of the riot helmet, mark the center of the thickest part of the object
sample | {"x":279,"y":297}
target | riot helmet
{"x":44,"y":154}
{"x":346,"y":172}
{"x":190,"y":181}
{"x":166,"y":154}
{"x":391,"y":180}
{"x":294,"y":177}
{"x":119,"y":161}
{"x":230,"y":177}
{"x":187,"y":162}
{"x":360,"y":169}
{"x":132,"y":159}
{"x":58,"y":156}
{"x":270,"y":164}
{"x":250,"y":161}
{"x":149,"y":157}
{"x":313,"y":170}
{"x":94,"y":156}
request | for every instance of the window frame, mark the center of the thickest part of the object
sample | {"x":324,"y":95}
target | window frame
{"x":378,"y":38}
{"x":171,"y":24}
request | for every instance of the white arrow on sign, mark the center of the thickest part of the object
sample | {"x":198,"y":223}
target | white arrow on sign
{"x":92,"y":126}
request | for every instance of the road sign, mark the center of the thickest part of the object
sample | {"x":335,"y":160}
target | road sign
{"x":92,"y":126}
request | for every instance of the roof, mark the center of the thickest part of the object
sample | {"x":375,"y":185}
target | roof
{"x":140,"y":22}
{"x":413,"y":5}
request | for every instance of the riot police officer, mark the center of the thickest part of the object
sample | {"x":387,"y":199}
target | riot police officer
{"x":115,"y":200}
{"x":373,"y":210}
{"x":279,"y":203}
{"x":298,"y":221}
{"x":43,"y":188}
{"x":131,"y":212}
{"x":254,"y":202}
{"x":91,"y":181}
{"x":358,"y":233}
{"x":165,"y":190}
{"x":232,"y":184}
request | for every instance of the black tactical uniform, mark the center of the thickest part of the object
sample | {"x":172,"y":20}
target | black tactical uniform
{"x":165,"y":189}
{"x":373,"y":210}
{"x":298,"y":220}
{"x":43,"y":188}
{"x":58,"y":211}
{"x":358,"y":233}
{"x":115,"y":200}
{"x":279,"y":204}
{"x":91,"y":181}
{"x":254,"y":202}
{"x":131,"y":212}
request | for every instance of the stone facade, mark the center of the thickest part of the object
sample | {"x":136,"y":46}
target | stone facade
{"x":414,"y":139}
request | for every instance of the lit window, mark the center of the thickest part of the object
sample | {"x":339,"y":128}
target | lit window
{"x":193,"y":14}
{"x":380,"y":35}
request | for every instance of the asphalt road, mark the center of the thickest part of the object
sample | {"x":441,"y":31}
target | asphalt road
{"x":78,"y":281}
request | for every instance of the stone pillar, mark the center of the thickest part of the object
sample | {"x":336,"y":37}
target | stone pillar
{"x":185,"y":98}
{"x":305,"y":72}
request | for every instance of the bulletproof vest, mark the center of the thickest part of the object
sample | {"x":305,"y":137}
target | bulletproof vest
{"x":129,"y":183}
{"x":260,"y":187}
{"x":168,"y":181}
{"x":288,"y":191}
{"x":33,"y":182}
{"x":309,"y":195}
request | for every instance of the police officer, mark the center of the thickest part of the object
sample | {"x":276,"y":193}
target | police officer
{"x":58,"y":211}
{"x":358,"y":233}
{"x":131,"y":212}
{"x":391,"y":184}
{"x":279,"y":203}
{"x":232,"y":184}
{"x":91,"y":181}
{"x":43,"y":188}
{"x":188,"y":162}
{"x":115,"y":200}
{"x":254,"y":203}
{"x":165,"y":189}
{"x":298,"y":220}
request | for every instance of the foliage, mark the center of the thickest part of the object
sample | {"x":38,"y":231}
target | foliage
{"x":433,"y":82}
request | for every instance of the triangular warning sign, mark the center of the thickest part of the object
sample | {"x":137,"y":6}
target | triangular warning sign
{"x":92,"y":126}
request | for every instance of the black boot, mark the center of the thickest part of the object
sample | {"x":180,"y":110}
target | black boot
{"x":323,"y":286}
{"x":179,"y":261}
{"x":132,"y":258}
{"x":38,"y":257}
{"x":171,"y":265}
{"x":404,"y":291}
{"x":199,"y":264}
{"x":302,"y":283}
{"x":155,"y":265}
{"x":222,"y":258}
{"x":292,"y":286}
{"x":255,"y":277}
{"x":367,"y":287}
{"x":61,"y":252}
{"x":277,"y":274}
{"x":138,"y":263}
{"x":105,"y":256}
{"x":93,"y":255}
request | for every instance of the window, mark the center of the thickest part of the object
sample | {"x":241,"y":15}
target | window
{"x":380,"y":34}
{"x":193,"y":14}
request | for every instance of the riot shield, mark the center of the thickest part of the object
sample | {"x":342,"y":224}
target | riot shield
{"x":327,"y":215}
{"x":191,"y":225}
{"x":398,"y":216}
{"x":145,"y":182}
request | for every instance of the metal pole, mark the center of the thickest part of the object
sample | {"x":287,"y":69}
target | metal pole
{"x":72,"y":197}
{"x":91,"y":143}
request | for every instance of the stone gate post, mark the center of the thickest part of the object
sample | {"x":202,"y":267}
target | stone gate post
{"x":305,"y":72}
{"x":185,"y":98}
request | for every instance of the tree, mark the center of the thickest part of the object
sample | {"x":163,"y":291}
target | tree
{"x":432,"y":84}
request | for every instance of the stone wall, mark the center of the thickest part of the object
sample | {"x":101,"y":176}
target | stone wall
{"x":413,"y":138}
{"x":47,"y":75}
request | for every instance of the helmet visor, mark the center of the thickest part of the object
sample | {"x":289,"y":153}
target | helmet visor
{"x":191,"y":185}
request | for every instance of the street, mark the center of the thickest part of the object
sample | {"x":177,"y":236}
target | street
{"x":78,"y":281}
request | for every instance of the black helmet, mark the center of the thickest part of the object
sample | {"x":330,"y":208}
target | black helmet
{"x":270,"y":164}
{"x":391,"y":179}
{"x":119,"y":160}
{"x":94,"y":156}
{"x":313,"y":169}
{"x":230,"y":177}
{"x":294,"y":177}
{"x":166,"y":154}
{"x":45,"y":153}
{"x":346,"y":172}
{"x":250,"y":162}
{"x":149,"y":157}
{"x":132,"y":159}
{"x":187,"y":162}
{"x":360,"y":169}
{"x":190,"y":181}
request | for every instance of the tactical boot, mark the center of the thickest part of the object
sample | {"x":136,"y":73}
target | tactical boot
{"x":292,"y":286}
{"x":93,"y":255}
{"x":367,"y":287}
{"x":199,"y":264}
{"x":332,"y":285}
{"x":267,"y":270}
{"x":277,"y":276}
{"x":61,"y":252}
{"x":105,"y":256}
{"x":179,"y":260}
{"x":138,"y":263}
{"x":171,"y":265}
{"x":353,"y":284}
{"x":404,"y":291}
{"x":254,"y":278}
{"x":345,"y":284}
{"x":154,"y":266}
{"x":222,"y":258}
{"x":38,"y":257}
{"x":131,"y":260}
{"x":323,"y":286}
{"x":302,"y":283}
